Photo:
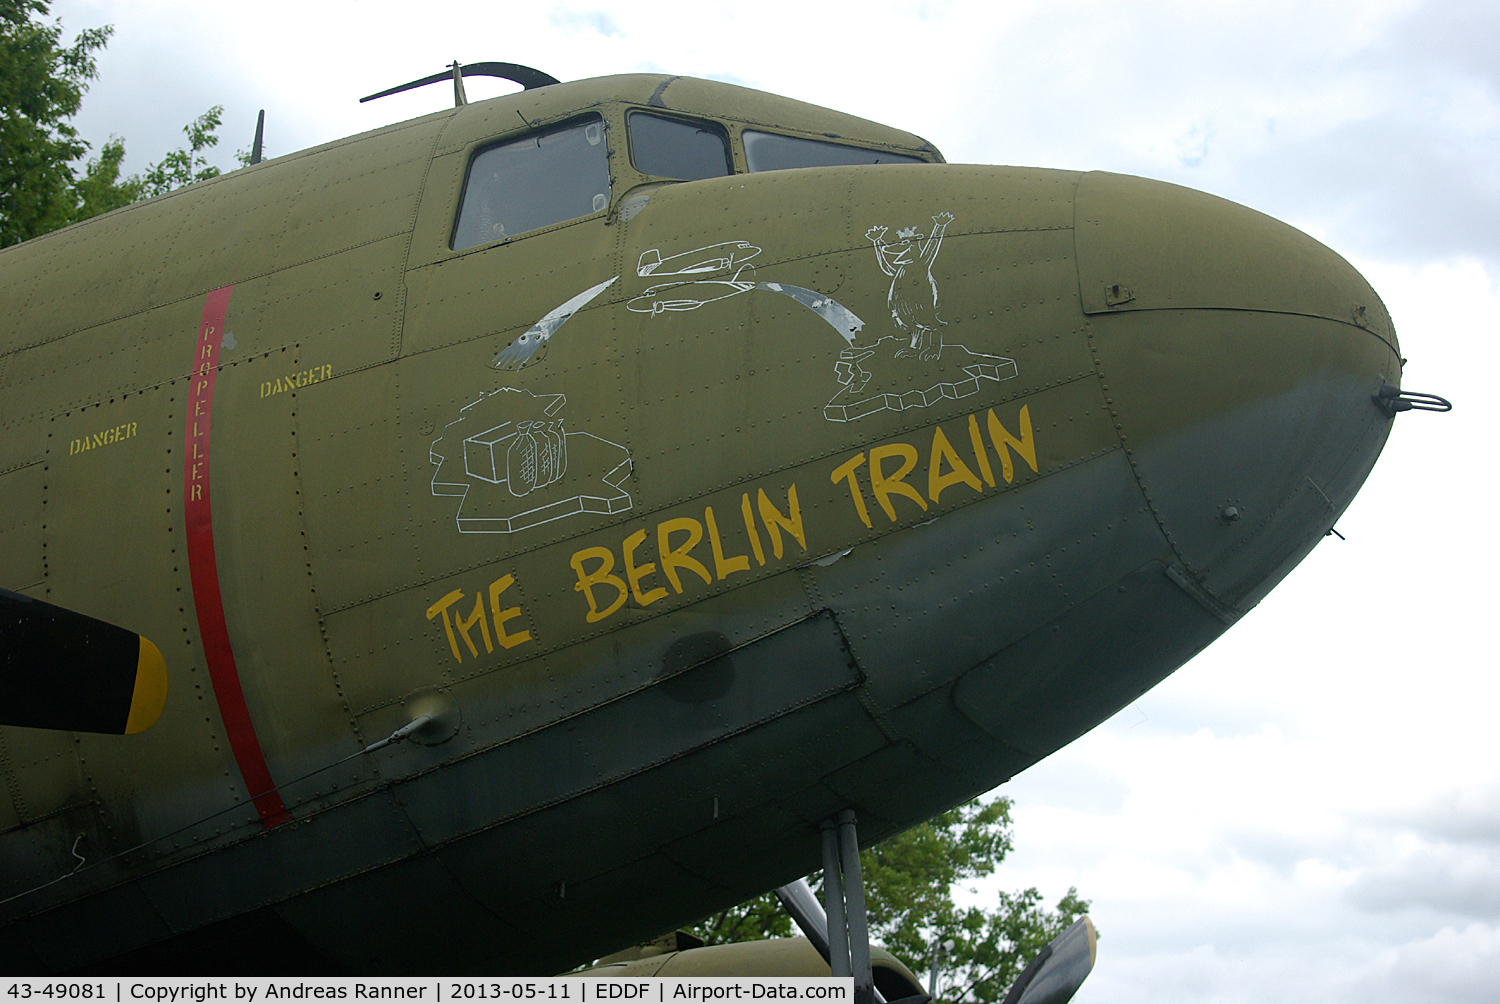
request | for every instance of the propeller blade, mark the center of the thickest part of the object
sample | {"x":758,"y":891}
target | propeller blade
{"x":64,"y":670}
{"x":1055,"y":975}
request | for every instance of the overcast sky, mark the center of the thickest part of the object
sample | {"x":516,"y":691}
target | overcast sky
{"x":1310,"y":810}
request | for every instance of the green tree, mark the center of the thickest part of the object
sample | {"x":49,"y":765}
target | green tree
{"x":42,"y":84}
{"x":753,"y":920}
{"x":183,"y":167}
{"x":910,"y":882}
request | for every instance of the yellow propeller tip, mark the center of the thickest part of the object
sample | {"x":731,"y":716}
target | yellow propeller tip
{"x":150,"y":695}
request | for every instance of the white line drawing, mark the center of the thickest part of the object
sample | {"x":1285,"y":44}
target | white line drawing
{"x":520,"y":352}
{"x":911,"y":368}
{"x":692,"y":293}
{"x":522,"y":468}
{"x":713,"y":258}
{"x":857,"y":399}
{"x":535,"y":453}
{"x":930,"y":370}
{"x":913,"y":297}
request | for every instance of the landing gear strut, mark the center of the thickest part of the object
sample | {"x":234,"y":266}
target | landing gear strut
{"x":844,"y":897}
{"x":842,"y":934}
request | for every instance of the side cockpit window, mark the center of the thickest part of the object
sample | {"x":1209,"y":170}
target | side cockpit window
{"x":677,"y":149}
{"x":525,"y":184}
{"x":767,"y":151}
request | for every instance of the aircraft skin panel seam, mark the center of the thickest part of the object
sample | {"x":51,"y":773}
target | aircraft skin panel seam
{"x":620,"y":696}
{"x":330,"y":664}
{"x":848,"y":248}
{"x":381,"y":785}
{"x":22,"y":465}
{"x":12,"y":786}
{"x":411,"y":235}
{"x":519,"y":327}
{"x":815,"y":598}
{"x":1202,"y":596}
{"x":830,"y":693}
{"x":391,"y":788}
{"x":1371,"y":332}
{"x":1135,"y":471}
{"x":1048,"y":228}
{"x":231,"y":841}
{"x":198,"y":295}
{"x":768,"y":633}
{"x":854,"y":645}
{"x":877,"y":716}
{"x":82,"y":804}
{"x":381,"y":132}
{"x":862,"y":692}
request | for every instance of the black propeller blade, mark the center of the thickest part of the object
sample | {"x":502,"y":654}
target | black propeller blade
{"x":63,"y":670}
{"x":1055,"y":975}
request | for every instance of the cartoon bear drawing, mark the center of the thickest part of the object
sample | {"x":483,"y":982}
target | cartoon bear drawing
{"x":913,"y":297}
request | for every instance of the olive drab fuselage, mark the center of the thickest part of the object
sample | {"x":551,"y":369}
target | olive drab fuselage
{"x":690,"y":518}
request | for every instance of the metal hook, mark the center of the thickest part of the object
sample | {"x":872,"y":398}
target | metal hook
{"x":1392,"y":399}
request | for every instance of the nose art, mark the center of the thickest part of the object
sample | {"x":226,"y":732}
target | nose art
{"x":1239,"y":358}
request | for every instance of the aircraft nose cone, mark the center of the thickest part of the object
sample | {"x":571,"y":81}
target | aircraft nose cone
{"x":1238,"y":358}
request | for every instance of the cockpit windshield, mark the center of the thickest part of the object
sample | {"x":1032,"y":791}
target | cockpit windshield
{"x":534,"y":182}
{"x":671,"y":148}
{"x":766,"y":151}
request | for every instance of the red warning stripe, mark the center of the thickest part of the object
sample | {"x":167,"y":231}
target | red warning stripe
{"x":204,"y":568}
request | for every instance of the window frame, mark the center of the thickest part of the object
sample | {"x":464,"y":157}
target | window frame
{"x":538,"y":129}
{"x":829,"y":139}
{"x":724,"y":130}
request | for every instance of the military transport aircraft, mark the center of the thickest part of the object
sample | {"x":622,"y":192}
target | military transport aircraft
{"x":672,"y":466}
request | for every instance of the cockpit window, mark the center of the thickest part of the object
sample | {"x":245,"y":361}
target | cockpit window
{"x":671,"y":148}
{"x":766,"y":151}
{"x":542,"y":179}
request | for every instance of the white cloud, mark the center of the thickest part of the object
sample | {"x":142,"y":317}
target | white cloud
{"x":1376,"y":125}
{"x":1451,"y":966}
{"x":573,"y":21}
{"x":1441,"y":878}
